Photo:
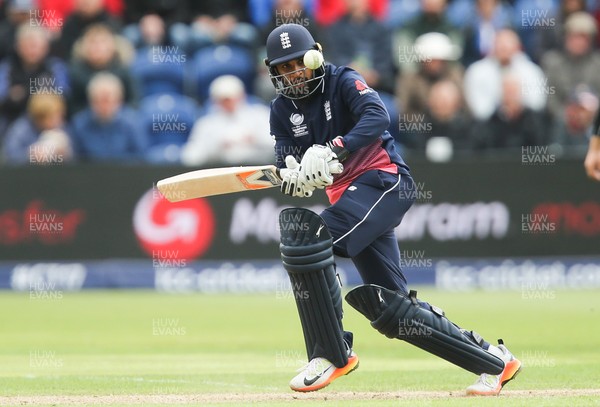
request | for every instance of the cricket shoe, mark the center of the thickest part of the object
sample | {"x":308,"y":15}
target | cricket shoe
{"x":490,"y":385}
{"x":319,"y":372}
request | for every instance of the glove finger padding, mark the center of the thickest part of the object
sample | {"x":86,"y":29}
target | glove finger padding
{"x":291,"y":162}
{"x":302,"y":192}
{"x":291,"y":183}
{"x":289,"y":175}
{"x":315,"y":166}
{"x":319,"y":173}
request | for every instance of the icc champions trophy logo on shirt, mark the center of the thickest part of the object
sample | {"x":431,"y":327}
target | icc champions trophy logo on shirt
{"x":296,"y":119}
{"x":298,"y":128}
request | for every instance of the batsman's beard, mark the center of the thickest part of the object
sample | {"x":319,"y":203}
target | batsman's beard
{"x":299,"y":86}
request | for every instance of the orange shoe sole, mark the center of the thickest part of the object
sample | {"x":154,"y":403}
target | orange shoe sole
{"x":511,"y":370}
{"x":351,"y":366}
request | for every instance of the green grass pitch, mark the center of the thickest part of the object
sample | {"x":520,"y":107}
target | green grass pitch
{"x":148,"y":348}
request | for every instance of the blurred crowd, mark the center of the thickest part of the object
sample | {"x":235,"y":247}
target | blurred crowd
{"x":183,"y":81}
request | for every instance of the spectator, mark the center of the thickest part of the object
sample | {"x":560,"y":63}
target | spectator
{"x":447,"y":115}
{"x":432,"y":18}
{"x":225,"y":27}
{"x":216,"y":22}
{"x":29,"y":71}
{"x":530,"y":17}
{"x":554,"y":38}
{"x":239,"y":9}
{"x":157,"y":67}
{"x":39,"y":136}
{"x":85,"y":14}
{"x":491,"y":16}
{"x":17,"y":13}
{"x":573,"y":127}
{"x":150,"y":31}
{"x":288,"y":12}
{"x":233,"y":132}
{"x":483,"y":79}
{"x":57,"y":11}
{"x":97,"y":51}
{"x":362,"y":43}
{"x":171,"y":12}
{"x":513,"y":124}
{"x":436,"y":55}
{"x":328,"y":12}
{"x":108,"y":130}
{"x":577,"y":63}
{"x":400,"y":12}
{"x":153,"y":30}
{"x":461,"y":13}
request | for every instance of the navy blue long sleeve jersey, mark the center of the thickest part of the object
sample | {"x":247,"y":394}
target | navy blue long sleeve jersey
{"x":346,"y":107}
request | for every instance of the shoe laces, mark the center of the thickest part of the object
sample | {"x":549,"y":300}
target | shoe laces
{"x":315,"y":367}
{"x":507,"y":357}
{"x":488,"y":380}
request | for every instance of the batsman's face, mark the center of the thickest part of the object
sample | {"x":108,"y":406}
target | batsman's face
{"x":295,"y":72}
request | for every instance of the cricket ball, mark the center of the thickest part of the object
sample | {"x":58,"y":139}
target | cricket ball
{"x":313,"y":59}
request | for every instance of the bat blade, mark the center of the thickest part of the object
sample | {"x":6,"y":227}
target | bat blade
{"x":218,"y":181}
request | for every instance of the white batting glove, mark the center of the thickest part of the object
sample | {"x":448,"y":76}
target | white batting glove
{"x":291,"y":184}
{"x":319,"y":164}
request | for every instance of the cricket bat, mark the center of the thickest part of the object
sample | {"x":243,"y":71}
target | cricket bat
{"x":218,"y":181}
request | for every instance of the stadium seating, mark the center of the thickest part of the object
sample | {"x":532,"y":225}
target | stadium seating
{"x":167,"y":119}
{"x":211,"y":62}
{"x":159,"y":69}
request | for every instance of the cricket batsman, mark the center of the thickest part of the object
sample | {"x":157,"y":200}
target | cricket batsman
{"x":330,"y":132}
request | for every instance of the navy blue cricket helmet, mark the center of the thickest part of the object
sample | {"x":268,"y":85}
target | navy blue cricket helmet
{"x":285,"y":43}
